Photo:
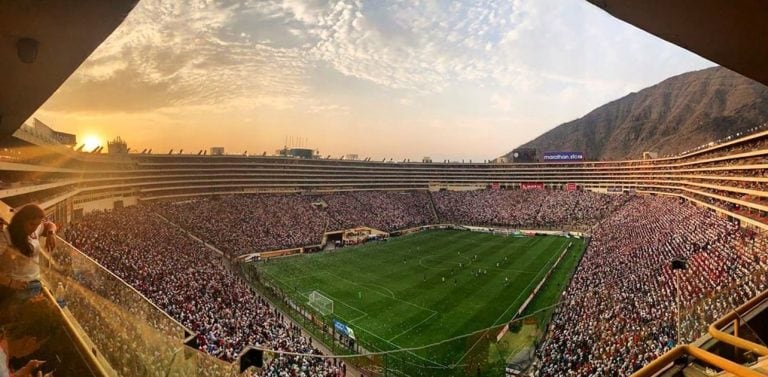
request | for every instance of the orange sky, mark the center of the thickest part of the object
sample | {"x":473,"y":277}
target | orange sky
{"x":458,"y":80}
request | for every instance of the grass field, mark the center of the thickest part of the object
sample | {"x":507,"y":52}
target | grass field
{"x":421,"y":289}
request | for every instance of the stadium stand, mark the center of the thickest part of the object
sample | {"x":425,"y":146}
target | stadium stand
{"x":185,"y":280}
{"x":627,"y":260}
{"x":640,"y":212}
{"x":621,"y":306}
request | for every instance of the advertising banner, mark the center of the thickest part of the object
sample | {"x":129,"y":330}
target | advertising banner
{"x":570,"y":186}
{"x":562,"y":156}
{"x":343,"y":329}
{"x":532,"y":185}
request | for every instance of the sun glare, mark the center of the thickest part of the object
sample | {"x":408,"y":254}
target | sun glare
{"x":91,"y":142}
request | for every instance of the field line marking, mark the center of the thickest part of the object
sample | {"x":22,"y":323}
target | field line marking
{"x":394,"y":298}
{"x":361,"y":317}
{"x":399,"y":347}
{"x":351,"y":321}
{"x":392,"y":294}
{"x":510,"y":305}
{"x":299,"y":277}
{"x":413,"y":327}
{"x":379,"y":293}
{"x":284,"y":281}
{"x":337,"y":300}
{"x":306,"y":295}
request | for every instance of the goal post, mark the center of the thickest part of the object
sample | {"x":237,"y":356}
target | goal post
{"x":319,"y":302}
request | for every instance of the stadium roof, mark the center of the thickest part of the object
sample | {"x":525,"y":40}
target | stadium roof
{"x":54,"y":37}
{"x":731,"y":33}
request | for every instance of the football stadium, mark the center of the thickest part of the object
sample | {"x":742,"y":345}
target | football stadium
{"x":602,"y":257}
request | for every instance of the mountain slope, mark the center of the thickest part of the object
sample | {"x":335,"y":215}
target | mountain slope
{"x":677,"y":114}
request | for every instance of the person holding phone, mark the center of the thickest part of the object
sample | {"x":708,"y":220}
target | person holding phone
{"x":20,"y":252}
{"x":27,"y":370}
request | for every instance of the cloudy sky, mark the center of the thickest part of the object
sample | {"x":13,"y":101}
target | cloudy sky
{"x":451,"y":79}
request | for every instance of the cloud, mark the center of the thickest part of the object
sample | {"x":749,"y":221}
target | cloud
{"x":179,"y":53}
{"x":497,"y":65}
{"x":203,"y":52}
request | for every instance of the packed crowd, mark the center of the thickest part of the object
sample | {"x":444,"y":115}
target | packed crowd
{"x":384,"y":210}
{"x":620,"y":310}
{"x":282,"y":221}
{"x":278,"y":221}
{"x":525,"y":208}
{"x":732,"y":277}
{"x":186,"y":280}
{"x":624,"y":307}
{"x":250,"y":223}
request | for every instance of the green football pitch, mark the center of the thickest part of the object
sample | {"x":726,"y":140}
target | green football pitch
{"x":434,"y":291}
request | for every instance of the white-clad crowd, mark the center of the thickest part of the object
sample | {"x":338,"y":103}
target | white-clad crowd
{"x":624,"y":306}
{"x":620,"y":310}
{"x":185,"y":279}
{"x":525,"y":208}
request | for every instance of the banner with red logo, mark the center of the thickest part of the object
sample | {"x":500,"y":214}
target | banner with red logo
{"x":532,"y":186}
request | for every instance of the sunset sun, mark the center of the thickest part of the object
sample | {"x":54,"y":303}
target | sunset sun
{"x":91,"y":142}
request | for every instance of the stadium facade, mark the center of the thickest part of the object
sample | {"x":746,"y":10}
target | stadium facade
{"x":728,"y":179}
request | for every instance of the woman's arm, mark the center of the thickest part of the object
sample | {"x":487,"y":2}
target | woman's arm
{"x":48,"y":230}
{"x":49,"y":227}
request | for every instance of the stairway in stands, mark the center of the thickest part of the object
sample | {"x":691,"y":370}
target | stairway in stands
{"x":432,"y":204}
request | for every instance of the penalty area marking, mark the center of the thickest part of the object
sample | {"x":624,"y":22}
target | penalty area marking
{"x":381,"y":294}
{"x":412,"y":327}
{"x":350,"y":321}
{"x":364,"y":314}
{"x":433,"y":313}
{"x":391,"y":294}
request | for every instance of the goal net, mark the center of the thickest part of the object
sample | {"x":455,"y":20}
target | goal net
{"x":322,"y":304}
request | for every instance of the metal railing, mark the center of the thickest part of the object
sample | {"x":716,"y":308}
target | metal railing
{"x":124,"y":332}
{"x":735,"y":318}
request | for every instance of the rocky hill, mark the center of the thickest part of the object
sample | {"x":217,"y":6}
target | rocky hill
{"x":675,"y":115}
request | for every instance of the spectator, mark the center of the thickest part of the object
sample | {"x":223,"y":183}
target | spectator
{"x":20,"y":252}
